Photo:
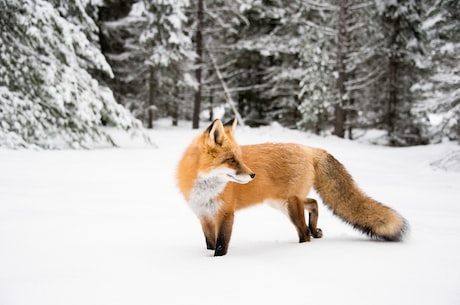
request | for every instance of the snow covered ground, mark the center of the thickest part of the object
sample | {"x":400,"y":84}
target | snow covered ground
{"x":108,"y":226}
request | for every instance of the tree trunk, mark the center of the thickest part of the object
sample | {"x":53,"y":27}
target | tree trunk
{"x":392,"y":95}
{"x":393,"y":67}
{"x":151,"y":101}
{"x":199,"y":62}
{"x":175,"y":107}
{"x":339,"y":111}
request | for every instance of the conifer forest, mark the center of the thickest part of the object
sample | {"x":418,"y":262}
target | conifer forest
{"x":68,"y":68}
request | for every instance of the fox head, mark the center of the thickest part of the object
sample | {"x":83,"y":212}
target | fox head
{"x":221,"y":157}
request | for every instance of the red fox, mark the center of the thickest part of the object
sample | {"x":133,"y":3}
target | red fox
{"x":218,"y":177}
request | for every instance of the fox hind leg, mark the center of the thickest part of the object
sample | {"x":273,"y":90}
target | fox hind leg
{"x":311,"y":205}
{"x":295,"y":210}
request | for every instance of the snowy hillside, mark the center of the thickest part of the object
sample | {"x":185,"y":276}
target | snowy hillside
{"x":108,"y":226}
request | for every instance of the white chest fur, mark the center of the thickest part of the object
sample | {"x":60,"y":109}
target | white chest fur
{"x":204,"y":200}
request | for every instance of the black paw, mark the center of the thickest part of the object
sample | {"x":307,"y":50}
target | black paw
{"x":220,"y":251}
{"x":318,"y":233}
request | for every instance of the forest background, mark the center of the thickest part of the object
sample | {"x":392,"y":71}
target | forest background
{"x":68,"y":68}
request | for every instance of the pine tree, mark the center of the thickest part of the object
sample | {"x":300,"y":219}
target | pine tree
{"x":48,"y":63}
{"x":265,"y":55}
{"x":441,"y":90}
{"x":199,"y":63}
{"x":214,"y":25}
{"x":121,"y":24}
{"x":343,"y":63}
{"x":168,"y":48}
{"x":404,"y":46}
{"x":318,"y":84}
{"x":149,"y":51}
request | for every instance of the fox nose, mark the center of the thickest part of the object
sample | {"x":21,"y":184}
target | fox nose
{"x":252,"y":175}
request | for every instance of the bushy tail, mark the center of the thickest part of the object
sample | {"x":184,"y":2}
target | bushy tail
{"x":340,"y":193}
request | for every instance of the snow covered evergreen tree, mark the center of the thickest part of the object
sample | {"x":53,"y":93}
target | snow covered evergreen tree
{"x":318,"y":52}
{"x":404,"y":51}
{"x":150,"y":54}
{"x":121,"y":24}
{"x":441,"y":90}
{"x":262,"y":60}
{"x":168,"y":51}
{"x":341,"y":58}
{"x":216,"y":28}
{"x":48,"y":94}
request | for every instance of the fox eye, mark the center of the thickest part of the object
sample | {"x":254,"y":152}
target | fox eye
{"x":231,"y":160}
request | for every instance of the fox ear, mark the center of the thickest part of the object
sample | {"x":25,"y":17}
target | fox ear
{"x":231,"y":124}
{"x":216,"y":132}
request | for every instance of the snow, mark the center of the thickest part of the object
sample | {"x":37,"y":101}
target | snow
{"x":108,"y":226}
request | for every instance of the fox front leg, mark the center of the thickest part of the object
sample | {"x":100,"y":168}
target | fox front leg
{"x":224,"y":226}
{"x":209,"y":229}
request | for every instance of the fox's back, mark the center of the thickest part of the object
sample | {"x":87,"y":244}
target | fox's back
{"x":282,"y":169}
